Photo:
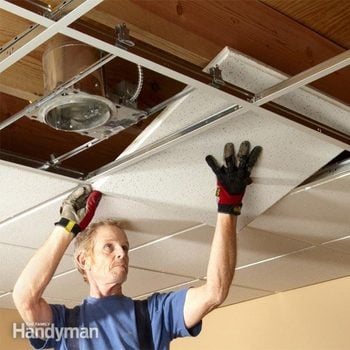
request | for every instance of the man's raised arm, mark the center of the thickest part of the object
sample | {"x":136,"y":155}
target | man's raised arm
{"x":77,"y":211}
{"x":231,"y":184}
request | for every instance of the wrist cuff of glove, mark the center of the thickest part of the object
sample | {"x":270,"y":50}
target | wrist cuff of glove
{"x":69,"y":225}
{"x":226,"y":198}
{"x":230,"y":209}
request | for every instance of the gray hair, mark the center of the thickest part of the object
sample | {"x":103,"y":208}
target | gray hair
{"x":84,"y":241}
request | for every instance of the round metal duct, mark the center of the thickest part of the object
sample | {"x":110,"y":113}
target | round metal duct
{"x":84,"y":107}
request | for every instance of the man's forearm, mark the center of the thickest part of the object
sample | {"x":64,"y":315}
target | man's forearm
{"x":38,"y":272}
{"x":222,"y":259}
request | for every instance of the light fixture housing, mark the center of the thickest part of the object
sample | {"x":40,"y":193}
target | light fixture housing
{"x":77,"y":112}
{"x":91,"y":115}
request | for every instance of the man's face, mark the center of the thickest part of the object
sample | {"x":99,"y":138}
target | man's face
{"x":109,"y":264}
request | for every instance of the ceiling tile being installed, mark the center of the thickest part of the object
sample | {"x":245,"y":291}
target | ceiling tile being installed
{"x":313,"y":265}
{"x":180,"y":179}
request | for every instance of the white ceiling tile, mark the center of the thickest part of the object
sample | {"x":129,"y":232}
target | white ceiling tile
{"x":13,"y":259}
{"x":22,"y":188}
{"x":341,"y":245}
{"x":316,"y":212}
{"x":296,"y":270}
{"x":139,"y":282}
{"x":255,"y":245}
{"x":178,"y":178}
{"x":188,"y":253}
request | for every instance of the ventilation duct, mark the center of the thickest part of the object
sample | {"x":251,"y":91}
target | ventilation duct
{"x":84,"y":107}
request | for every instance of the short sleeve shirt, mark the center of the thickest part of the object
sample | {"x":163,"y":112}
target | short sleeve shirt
{"x":109,"y":323}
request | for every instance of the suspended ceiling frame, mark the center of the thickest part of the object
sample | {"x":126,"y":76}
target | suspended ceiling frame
{"x":240,"y":105}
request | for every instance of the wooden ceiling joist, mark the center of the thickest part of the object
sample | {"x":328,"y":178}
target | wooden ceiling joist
{"x":196,"y":31}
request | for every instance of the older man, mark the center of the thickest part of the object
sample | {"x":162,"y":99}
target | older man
{"x":101,"y":255}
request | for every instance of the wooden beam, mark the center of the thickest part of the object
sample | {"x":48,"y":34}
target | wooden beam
{"x":196,"y":31}
{"x":203,"y":28}
{"x":331,"y":19}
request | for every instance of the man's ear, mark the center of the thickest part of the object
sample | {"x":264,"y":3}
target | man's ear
{"x":83,"y":262}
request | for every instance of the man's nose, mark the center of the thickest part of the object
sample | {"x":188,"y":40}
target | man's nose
{"x":120,"y":253}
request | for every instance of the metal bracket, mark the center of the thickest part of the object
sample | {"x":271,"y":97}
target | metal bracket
{"x":217,"y":80}
{"x":123,"y":39}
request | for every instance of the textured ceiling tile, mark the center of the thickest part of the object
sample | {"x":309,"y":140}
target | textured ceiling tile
{"x":13,"y":260}
{"x":254,"y":76}
{"x":317,"y":212}
{"x":307,"y":267}
{"x":22,"y":188}
{"x":180,"y":179}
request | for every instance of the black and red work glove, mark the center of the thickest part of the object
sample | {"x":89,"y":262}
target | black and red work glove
{"x":232,"y":180}
{"x":78,"y":209}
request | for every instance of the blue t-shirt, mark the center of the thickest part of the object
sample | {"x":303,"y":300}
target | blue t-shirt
{"x":114,"y":319}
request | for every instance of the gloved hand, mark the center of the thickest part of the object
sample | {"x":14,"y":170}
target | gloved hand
{"x":232,"y":180}
{"x":78,"y":209}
